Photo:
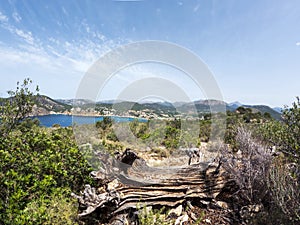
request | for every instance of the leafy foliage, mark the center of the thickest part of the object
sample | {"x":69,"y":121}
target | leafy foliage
{"x":57,"y":208}
{"x":39,"y":167}
{"x":149,"y":216}
{"x":17,"y":106}
{"x":34,"y":164}
{"x":285,"y":135}
{"x":105,"y":123}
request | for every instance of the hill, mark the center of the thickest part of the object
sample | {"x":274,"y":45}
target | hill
{"x":50,"y":104}
{"x":167,"y":108}
{"x":265,"y":109}
{"x":46,"y":105}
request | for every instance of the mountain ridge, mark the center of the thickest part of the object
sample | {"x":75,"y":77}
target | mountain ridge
{"x":46,"y":105}
{"x":201,"y":106}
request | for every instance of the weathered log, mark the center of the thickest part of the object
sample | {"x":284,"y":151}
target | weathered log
{"x":133,"y":184}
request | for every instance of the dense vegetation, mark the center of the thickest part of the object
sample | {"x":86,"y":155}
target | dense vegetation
{"x":40,"y":167}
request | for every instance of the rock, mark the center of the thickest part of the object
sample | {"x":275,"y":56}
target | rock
{"x":255,"y":208}
{"x":112,"y":185}
{"x":120,"y":220}
{"x":189,"y":204}
{"x":204,"y":202}
{"x":222,"y":204}
{"x":193,"y":216}
{"x":182,"y":219}
{"x":176,"y":211}
{"x":207,"y":221}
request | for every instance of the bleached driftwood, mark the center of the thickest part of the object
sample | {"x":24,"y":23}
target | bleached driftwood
{"x":128,"y":182}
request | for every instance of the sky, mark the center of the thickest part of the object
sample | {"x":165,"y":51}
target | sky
{"x":252,"y":48}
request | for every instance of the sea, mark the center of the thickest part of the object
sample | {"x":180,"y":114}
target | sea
{"x":69,"y":120}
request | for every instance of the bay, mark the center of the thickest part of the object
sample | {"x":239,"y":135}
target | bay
{"x":69,"y":120}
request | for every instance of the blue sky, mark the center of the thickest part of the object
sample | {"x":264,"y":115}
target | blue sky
{"x":252,"y":47}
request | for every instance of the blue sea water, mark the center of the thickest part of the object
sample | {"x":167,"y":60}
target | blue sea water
{"x":69,"y":120}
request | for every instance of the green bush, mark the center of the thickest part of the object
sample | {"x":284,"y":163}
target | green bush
{"x":33,"y":164}
{"x":39,"y":167}
{"x":285,"y":135}
{"x":58,"y":208}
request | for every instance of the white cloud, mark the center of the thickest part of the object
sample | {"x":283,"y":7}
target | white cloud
{"x":16,"y":17}
{"x":59,"y":23}
{"x":196,"y":8}
{"x":84,"y":26}
{"x":53,"y":40}
{"x":24,"y":35}
{"x":27,"y":36}
{"x":13,"y":57}
{"x":75,"y":55}
{"x":54,"y":56}
{"x":3,"y":18}
{"x":298,"y":43}
{"x":65,"y":11}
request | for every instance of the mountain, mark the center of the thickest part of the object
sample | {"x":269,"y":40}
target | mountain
{"x":109,"y":101}
{"x":48,"y":104}
{"x":75,"y":102}
{"x":234,"y":105}
{"x":202,"y":106}
{"x":45,"y":105}
{"x":278,"y":109}
{"x":265,"y":109}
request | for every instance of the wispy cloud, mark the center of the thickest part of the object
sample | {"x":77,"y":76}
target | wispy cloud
{"x":16,"y":17}
{"x":196,"y":8}
{"x":298,"y":43}
{"x":65,"y":11}
{"x":27,"y":36}
{"x":3,"y":18}
{"x":76,"y":54}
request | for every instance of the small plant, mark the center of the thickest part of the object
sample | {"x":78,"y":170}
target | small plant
{"x":59,"y":209}
{"x":149,"y":216}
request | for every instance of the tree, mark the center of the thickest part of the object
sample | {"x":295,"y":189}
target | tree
{"x":105,"y":123}
{"x":291,"y":118}
{"x":285,"y":135}
{"x":18,"y":106}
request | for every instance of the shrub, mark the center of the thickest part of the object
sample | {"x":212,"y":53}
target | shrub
{"x":57,"y":209}
{"x":285,"y":135}
{"x":285,"y":190}
{"x":35,"y":162}
{"x":249,"y":168}
{"x":39,"y":167}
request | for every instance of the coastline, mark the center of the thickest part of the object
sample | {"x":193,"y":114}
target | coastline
{"x":83,"y":115}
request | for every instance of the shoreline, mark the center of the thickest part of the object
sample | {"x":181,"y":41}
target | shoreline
{"x":85,"y":115}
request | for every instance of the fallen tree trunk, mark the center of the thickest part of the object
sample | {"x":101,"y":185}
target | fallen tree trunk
{"x":128,"y":183}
